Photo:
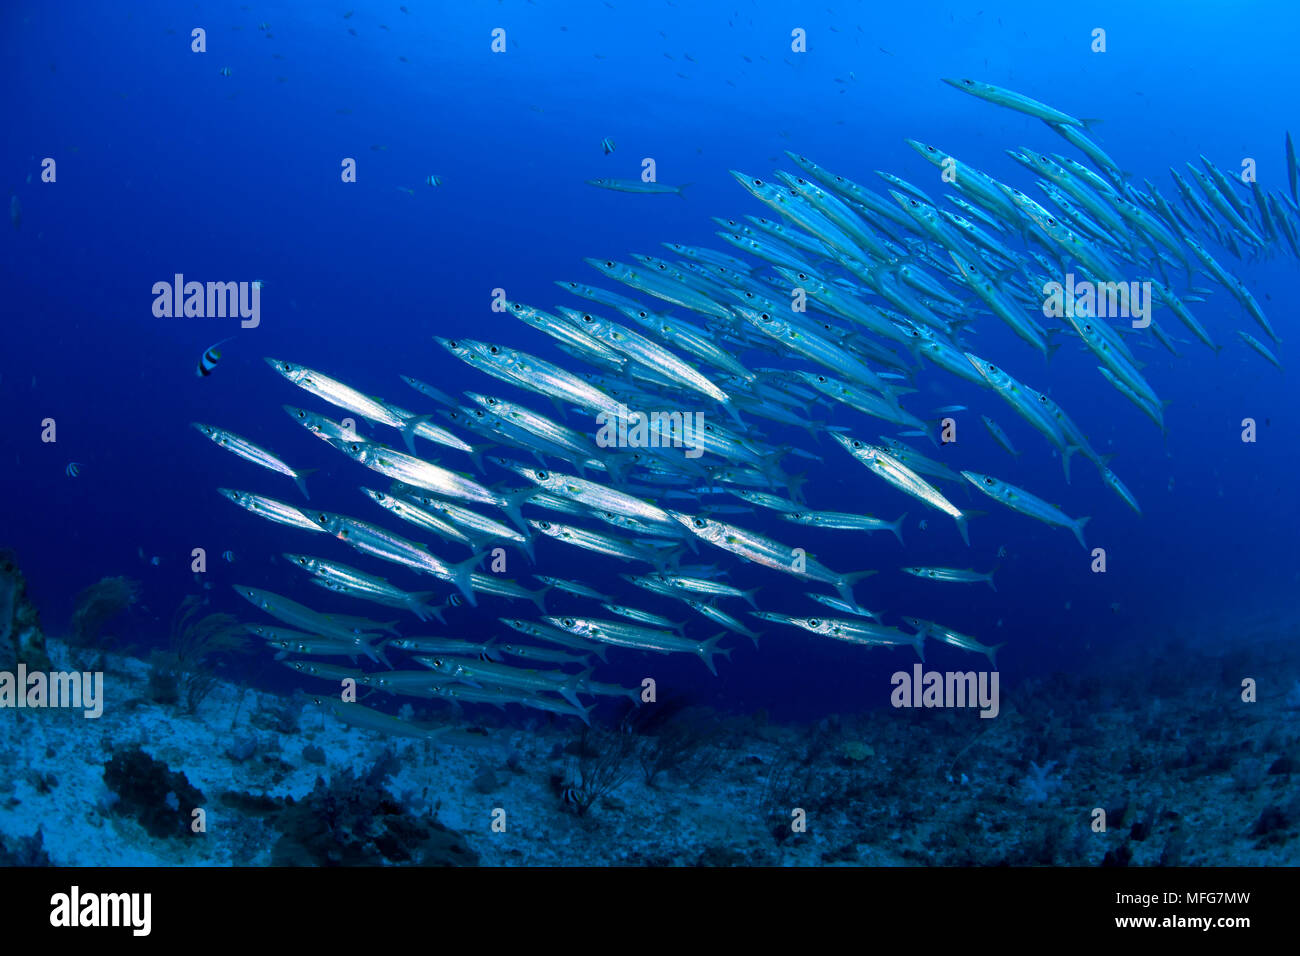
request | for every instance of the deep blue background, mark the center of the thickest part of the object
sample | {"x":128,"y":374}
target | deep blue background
{"x":166,"y":166}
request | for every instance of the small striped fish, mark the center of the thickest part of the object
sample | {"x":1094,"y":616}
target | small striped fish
{"x":209,"y":360}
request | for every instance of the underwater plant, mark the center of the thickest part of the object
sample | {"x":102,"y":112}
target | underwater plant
{"x":602,"y":764}
{"x":183,"y":672}
{"x":672,"y":738}
{"x":96,"y":605}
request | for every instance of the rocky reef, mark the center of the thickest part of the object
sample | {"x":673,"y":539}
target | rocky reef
{"x":21,"y":637}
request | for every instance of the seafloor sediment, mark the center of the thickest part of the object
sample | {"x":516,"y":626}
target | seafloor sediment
{"x":1187,"y":772}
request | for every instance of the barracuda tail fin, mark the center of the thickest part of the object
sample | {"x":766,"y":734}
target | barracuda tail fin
{"x":536,"y":597}
{"x":749,"y":597}
{"x":298,"y":480}
{"x":992,"y":654}
{"x":376,"y":652}
{"x":897,"y":528}
{"x":734,"y":412}
{"x":510,"y":504}
{"x":1077,"y":528}
{"x":918,"y":644}
{"x":965,"y":532}
{"x":460,"y":576}
{"x":417,"y":602}
{"x":1065,"y":460}
{"x":408,"y":426}
{"x":569,"y":691}
{"x":709,"y":648}
{"x":988,"y":579}
{"x":846,"y":582}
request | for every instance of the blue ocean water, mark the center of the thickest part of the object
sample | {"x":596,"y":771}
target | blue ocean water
{"x":225,"y":166}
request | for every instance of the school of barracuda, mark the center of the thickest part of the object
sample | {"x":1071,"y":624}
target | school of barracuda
{"x":891,"y":281}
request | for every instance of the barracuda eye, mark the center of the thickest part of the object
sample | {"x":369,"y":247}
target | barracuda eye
{"x":698,"y":522}
{"x":821,"y":378}
{"x":758,"y":182}
{"x":814,"y":622}
{"x":765,"y":317}
{"x":608,"y":264}
{"x":437,"y":662}
{"x":1051,"y":221}
{"x":493,"y":349}
{"x":542,"y":476}
{"x":452,"y":343}
{"x":662,"y":267}
{"x":988,"y":481}
{"x":301,"y":413}
{"x":931,"y":149}
{"x":588,"y":318}
{"x":567,"y":622}
{"x":914,"y":202}
{"x":856,"y":443}
{"x":993,"y":368}
{"x":544,"y":525}
{"x":642,"y":315}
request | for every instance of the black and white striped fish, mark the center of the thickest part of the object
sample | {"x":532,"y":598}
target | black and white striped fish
{"x":209,"y":360}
